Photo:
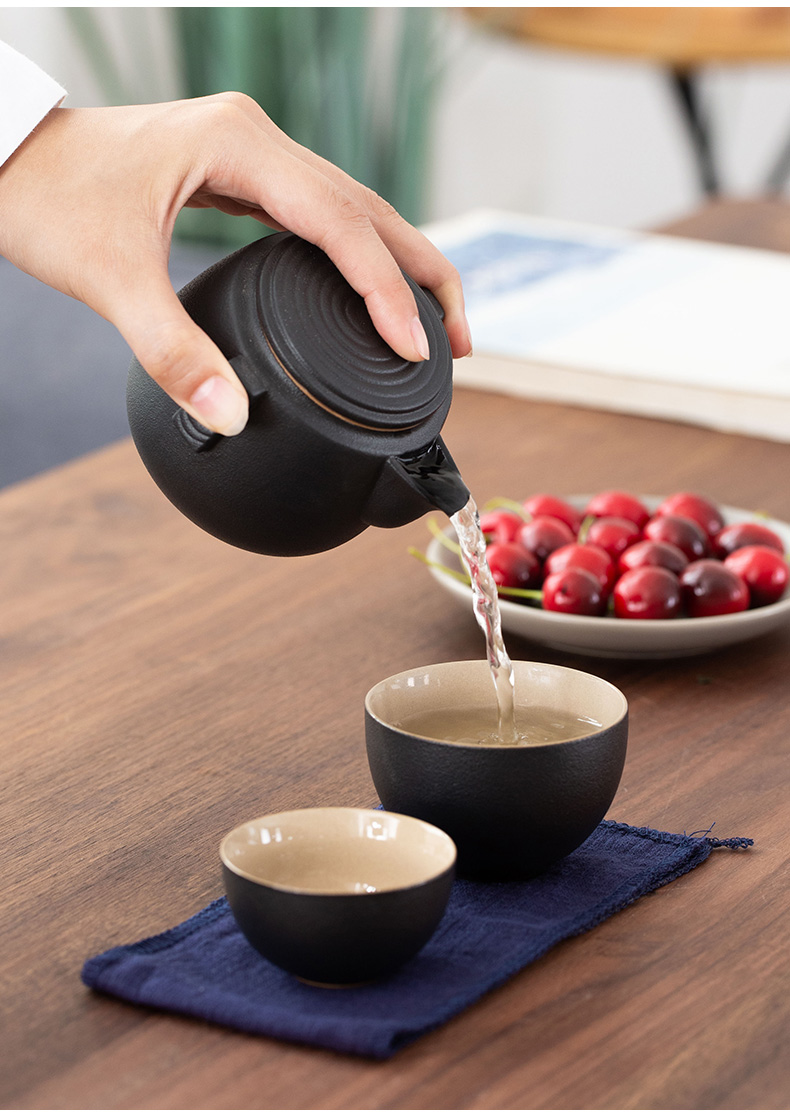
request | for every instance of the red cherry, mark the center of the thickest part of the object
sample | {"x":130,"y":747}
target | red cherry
{"x":695,"y":508}
{"x":500,"y":525}
{"x":710,"y":588}
{"x":613,"y":534}
{"x":512,"y":566}
{"x":654,"y":554}
{"x":618,"y":503}
{"x":544,"y":534}
{"x":589,"y":557}
{"x":745,"y":533}
{"x":550,"y":504}
{"x":573,"y":591}
{"x":763,"y":571}
{"x":680,"y":531}
{"x":647,"y":593}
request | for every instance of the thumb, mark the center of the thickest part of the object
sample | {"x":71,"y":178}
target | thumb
{"x":180,"y":357}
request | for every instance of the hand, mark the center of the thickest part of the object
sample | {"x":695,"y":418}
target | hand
{"x":88,"y":204}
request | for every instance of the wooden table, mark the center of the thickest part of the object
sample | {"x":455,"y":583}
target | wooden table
{"x":159,"y":687}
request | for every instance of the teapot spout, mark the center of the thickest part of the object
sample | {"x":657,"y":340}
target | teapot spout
{"x":410,"y":486}
{"x":435,"y":475}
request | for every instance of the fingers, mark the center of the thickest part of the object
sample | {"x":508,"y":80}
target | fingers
{"x":314,"y":207}
{"x":179,"y":356}
{"x":413,"y":252}
{"x":404,"y":244}
{"x":365,"y":237}
{"x":417,"y":256}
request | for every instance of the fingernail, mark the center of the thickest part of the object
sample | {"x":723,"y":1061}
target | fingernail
{"x":220,"y":407}
{"x":469,"y":337}
{"x":420,"y":338}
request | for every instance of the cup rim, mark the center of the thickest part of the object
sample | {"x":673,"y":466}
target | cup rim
{"x":498,"y":747}
{"x":448,"y":861}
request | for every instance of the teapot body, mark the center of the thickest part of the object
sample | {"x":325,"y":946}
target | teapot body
{"x":301,"y":477}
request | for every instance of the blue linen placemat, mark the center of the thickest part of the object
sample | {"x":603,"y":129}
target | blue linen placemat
{"x":205,"y":968}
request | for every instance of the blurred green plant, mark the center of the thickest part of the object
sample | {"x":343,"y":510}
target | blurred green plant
{"x":356,"y":85}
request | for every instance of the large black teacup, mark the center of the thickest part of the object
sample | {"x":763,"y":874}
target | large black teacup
{"x":512,"y":811}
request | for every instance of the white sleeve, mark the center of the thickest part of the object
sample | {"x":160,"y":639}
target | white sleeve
{"x":26,"y":96}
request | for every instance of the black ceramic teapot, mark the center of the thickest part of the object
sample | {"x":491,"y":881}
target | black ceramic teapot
{"x":343,"y":433}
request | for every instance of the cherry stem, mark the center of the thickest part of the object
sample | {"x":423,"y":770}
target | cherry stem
{"x":460,"y":576}
{"x":509,"y":504}
{"x":584,"y":529}
{"x":518,"y":592}
{"x":449,"y":543}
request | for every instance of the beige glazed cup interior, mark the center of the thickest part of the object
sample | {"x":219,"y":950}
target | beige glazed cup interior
{"x":337,"y":851}
{"x":460,"y":685}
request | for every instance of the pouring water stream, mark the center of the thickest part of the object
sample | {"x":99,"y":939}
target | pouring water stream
{"x":466,"y":523}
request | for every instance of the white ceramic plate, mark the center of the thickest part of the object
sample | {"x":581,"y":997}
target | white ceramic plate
{"x":616,"y":637}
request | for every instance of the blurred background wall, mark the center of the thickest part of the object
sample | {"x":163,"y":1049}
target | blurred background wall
{"x":509,"y":124}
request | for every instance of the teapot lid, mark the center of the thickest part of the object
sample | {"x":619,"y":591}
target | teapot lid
{"x":321,"y":333}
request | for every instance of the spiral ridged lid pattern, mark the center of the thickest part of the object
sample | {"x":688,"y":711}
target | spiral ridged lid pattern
{"x":321,"y":333}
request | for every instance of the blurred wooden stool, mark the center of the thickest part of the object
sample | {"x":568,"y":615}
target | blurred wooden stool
{"x":682,"y":40}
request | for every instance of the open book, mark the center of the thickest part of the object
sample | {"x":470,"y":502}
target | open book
{"x":632,"y":322}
